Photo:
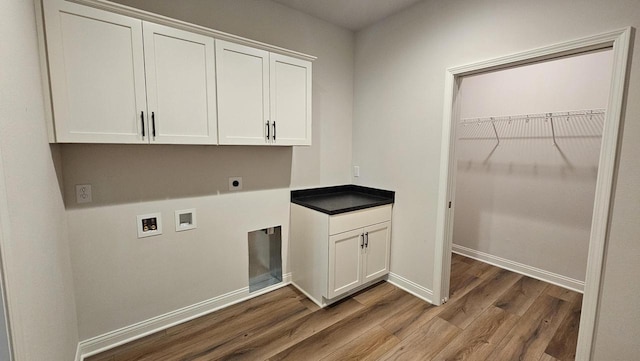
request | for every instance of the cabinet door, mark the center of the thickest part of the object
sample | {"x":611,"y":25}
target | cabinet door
{"x":345,"y":260}
{"x":377,"y":250}
{"x":96,"y":68}
{"x":180,"y":74}
{"x":290,"y":82}
{"x":242,"y":76}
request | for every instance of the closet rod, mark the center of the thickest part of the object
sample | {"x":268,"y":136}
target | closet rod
{"x":550,"y":117}
{"x":535,"y":116}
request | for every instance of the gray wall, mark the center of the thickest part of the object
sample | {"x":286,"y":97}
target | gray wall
{"x":34,"y":237}
{"x":120,"y":279}
{"x":328,"y":160}
{"x":400,"y":72}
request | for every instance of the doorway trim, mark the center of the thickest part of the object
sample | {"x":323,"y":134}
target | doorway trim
{"x":11,"y":328}
{"x":619,"y":40}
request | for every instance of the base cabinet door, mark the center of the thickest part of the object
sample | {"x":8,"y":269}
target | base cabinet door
{"x":180,"y":86}
{"x":96,"y":66}
{"x":377,"y":251}
{"x":357,"y":257}
{"x":345,"y":260}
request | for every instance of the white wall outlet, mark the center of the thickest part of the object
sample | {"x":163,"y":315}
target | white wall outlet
{"x":186,"y":219}
{"x":356,"y":171}
{"x":235,"y":183}
{"x":83,"y":193}
{"x":149,"y":225}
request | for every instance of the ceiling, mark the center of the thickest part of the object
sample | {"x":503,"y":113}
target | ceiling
{"x":350,"y":14}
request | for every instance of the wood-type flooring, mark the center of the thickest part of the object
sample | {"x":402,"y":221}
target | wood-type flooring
{"x":492,"y":314}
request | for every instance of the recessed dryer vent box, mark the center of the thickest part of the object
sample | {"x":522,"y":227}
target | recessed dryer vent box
{"x":265,"y":258}
{"x":149,"y":225}
{"x":186,"y":219}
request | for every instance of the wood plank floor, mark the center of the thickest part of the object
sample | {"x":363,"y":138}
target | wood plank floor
{"x":493,"y":314}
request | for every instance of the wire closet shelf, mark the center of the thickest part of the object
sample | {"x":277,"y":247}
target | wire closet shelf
{"x":549,"y":118}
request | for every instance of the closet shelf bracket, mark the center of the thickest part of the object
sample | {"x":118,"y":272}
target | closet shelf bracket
{"x":496,"y":132}
{"x":553,"y":131}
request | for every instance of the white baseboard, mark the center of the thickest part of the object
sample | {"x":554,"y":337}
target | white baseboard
{"x":138,"y":330}
{"x":411,"y":287}
{"x":533,"y":272}
{"x":311,"y":298}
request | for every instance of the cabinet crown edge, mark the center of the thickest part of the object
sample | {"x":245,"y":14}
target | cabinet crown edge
{"x":184,"y":25}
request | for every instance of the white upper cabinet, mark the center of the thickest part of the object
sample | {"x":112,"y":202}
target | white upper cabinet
{"x":243,"y":94}
{"x":263,"y":98}
{"x":115,"y":78}
{"x":97,"y":74}
{"x":290,"y":100}
{"x":180,"y":74}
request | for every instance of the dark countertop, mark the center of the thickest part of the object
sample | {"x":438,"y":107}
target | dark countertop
{"x":341,"y":199}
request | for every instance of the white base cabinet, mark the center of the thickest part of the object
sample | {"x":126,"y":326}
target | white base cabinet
{"x":333,"y":256}
{"x":358,"y":257}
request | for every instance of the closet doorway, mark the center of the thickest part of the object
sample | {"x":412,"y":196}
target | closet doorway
{"x":527,"y":150}
{"x":494,"y":126}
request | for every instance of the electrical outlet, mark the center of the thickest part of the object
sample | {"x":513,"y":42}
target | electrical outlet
{"x":356,"y":171}
{"x":83,"y":193}
{"x":235,"y":183}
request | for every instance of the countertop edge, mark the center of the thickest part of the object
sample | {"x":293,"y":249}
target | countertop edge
{"x":342,"y":210}
{"x":300,"y":197}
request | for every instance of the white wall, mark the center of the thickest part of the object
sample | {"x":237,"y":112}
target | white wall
{"x":121,"y":280}
{"x":328,"y":160}
{"x":400,"y":70}
{"x":32,"y":217}
{"x":525,"y":200}
{"x":570,"y":83}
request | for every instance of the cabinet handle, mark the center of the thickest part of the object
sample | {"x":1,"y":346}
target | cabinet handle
{"x":153,"y":124}
{"x":366,"y":237}
{"x":268,"y":130}
{"x":142,"y":121}
{"x":274,"y":130}
{"x":362,"y":241}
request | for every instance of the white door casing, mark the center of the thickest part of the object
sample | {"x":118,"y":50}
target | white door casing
{"x":619,"y":40}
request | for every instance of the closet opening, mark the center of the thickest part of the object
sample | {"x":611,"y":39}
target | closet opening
{"x":528,"y":156}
